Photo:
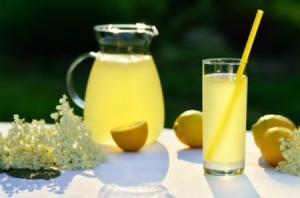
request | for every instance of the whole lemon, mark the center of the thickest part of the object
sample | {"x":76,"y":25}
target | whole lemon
{"x":269,"y":121}
{"x":130,"y":137}
{"x":188,"y":128}
{"x":270,"y":144}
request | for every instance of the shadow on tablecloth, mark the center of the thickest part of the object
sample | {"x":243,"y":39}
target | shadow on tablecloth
{"x":231,"y":186}
{"x":190,"y":155}
{"x":134,"y":174}
{"x":14,"y":186}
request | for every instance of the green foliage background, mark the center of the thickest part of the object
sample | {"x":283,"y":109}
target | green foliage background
{"x":39,"y":40}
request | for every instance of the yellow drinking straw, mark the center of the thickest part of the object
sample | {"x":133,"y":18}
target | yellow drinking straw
{"x":239,"y":84}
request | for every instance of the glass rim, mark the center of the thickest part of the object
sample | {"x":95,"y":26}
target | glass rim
{"x":139,"y":28}
{"x":221,"y":61}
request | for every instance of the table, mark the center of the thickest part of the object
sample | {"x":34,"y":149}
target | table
{"x":164,"y":169}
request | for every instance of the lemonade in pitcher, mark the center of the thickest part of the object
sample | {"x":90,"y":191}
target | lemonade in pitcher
{"x":122,"y":89}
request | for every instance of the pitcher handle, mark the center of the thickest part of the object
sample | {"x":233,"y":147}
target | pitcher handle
{"x":73,"y":94}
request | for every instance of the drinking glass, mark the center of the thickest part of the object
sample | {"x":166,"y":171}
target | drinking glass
{"x":224,"y":116}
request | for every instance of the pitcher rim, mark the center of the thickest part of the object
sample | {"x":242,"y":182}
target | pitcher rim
{"x":141,"y":28}
{"x":220,"y":61}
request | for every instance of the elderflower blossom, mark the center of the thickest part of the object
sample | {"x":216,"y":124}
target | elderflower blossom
{"x":3,"y":153}
{"x":291,"y":152}
{"x":66,"y":144}
{"x":74,"y":148}
{"x":29,"y":145}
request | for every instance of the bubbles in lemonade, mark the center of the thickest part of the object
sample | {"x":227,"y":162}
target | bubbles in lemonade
{"x":122,"y":89}
{"x":217,"y":91}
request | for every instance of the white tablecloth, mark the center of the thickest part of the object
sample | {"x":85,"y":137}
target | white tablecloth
{"x":164,"y":169}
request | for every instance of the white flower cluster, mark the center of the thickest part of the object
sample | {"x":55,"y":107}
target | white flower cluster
{"x":291,"y":152}
{"x":2,"y":153}
{"x":66,"y":144}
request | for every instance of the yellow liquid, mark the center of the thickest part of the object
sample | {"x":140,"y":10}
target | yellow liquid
{"x":123,"y":89}
{"x":230,"y":149}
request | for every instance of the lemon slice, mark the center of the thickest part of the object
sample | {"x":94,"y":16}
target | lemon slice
{"x":130,"y":137}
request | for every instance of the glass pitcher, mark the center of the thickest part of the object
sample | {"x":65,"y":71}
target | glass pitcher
{"x":123,"y":85}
